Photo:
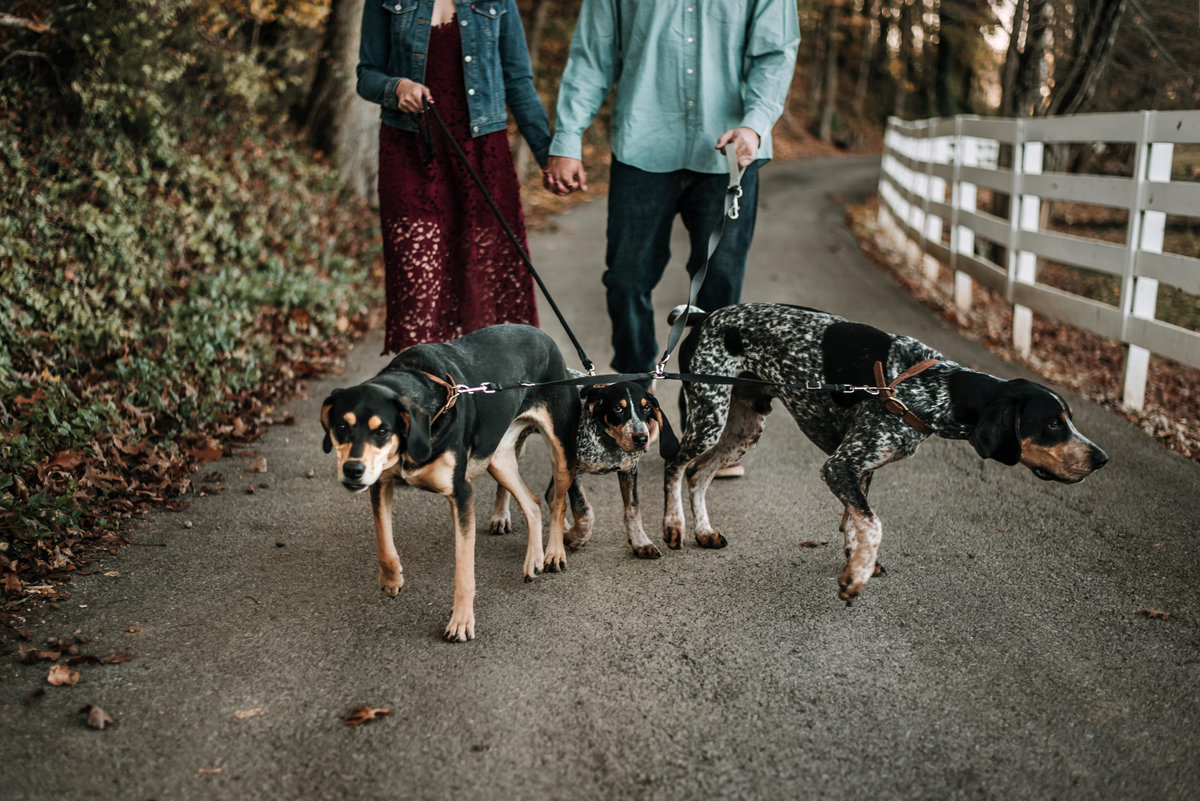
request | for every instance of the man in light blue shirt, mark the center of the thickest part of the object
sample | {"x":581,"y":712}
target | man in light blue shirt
{"x":691,"y":77}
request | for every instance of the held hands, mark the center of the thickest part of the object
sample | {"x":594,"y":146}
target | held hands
{"x":410,"y":94}
{"x":564,"y":175}
{"x":745,"y":143}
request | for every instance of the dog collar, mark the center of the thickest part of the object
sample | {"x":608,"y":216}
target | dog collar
{"x":887,"y":393}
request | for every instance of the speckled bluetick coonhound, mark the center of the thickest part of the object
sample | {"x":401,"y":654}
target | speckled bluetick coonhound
{"x":1009,"y":421}
{"x":411,"y":425}
{"x":617,"y":425}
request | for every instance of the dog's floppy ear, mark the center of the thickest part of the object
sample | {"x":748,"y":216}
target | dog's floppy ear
{"x":420,"y":441}
{"x":326,"y":405}
{"x":996,"y":434}
{"x":591,"y":394}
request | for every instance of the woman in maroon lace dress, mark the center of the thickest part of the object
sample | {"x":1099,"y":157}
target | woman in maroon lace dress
{"x":450,"y":268}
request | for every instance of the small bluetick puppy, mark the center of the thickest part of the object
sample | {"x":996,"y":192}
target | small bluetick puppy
{"x":1009,"y":421}
{"x":617,"y":424}
{"x":410,"y":425}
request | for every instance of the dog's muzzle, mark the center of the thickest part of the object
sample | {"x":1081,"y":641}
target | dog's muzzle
{"x":352,"y":476}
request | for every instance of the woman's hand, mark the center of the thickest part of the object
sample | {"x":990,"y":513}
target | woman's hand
{"x":411,"y":95}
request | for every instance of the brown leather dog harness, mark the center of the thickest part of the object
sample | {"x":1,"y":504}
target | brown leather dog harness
{"x":887,"y":393}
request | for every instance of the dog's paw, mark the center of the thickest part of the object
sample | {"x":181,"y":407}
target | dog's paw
{"x":647,"y":551}
{"x":500,"y":525}
{"x":880,"y":570}
{"x":461,"y":627}
{"x":672,"y":536}
{"x":391,"y":581}
{"x":850,"y":586}
{"x":555,"y":562}
{"x":576,"y":539}
{"x":532,"y":570}
{"x":712,"y":539}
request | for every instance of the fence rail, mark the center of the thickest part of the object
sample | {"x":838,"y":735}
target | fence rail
{"x":933,"y":171}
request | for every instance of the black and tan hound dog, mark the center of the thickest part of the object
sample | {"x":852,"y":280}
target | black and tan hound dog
{"x":617,"y":425}
{"x":409,"y":424}
{"x":1009,"y":421}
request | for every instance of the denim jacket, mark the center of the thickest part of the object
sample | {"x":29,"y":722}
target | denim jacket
{"x":395,"y":40}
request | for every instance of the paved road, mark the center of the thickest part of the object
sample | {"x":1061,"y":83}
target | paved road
{"x":1001,"y":658}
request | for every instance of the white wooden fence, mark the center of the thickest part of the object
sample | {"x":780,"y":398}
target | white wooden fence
{"x":932,"y":171}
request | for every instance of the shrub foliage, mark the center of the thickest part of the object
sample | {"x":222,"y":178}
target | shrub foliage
{"x":171,"y":260}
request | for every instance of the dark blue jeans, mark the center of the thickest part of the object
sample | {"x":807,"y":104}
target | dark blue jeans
{"x":641,"y":210}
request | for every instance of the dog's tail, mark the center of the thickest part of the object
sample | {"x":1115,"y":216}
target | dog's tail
{"x":695,"y":315}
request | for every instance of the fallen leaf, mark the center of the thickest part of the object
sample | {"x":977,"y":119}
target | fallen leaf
{"x":259,"y":465}
{"x":97,"y":718}
{"x":363,"y":714}
{"x":243,"y":714}
{"x":132,"y":630}
{"x":116,"y":657}
{"x":30,"y":656}
{"x":210,"y":771}
{"x":38,"y":693}
{"x":60,"y":675}
{"x":85,"y":659}
{"x":1154,"y":614}
{"x":812,"y":544}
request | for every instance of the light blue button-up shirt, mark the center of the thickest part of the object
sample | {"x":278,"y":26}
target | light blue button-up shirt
{"x":703,"y":68}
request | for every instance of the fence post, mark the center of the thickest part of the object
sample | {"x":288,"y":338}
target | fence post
{"x":963,"y":198}
{"x":935,"y":187}
{"x":1139,"y":296}
{"x":1024,"y":212}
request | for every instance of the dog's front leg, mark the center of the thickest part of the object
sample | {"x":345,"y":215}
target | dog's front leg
{"x":643,"y":548}
{"x":861,"y":528}
{"x":584,"y":518}
{"x":462,"y":618}
{"x":564,"y":476}
{"x":391,"y":575}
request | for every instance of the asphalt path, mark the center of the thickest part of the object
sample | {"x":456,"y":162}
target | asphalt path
{"x":1003,"y":656}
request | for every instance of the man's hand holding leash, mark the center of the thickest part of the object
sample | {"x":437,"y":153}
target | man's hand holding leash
{"x":745,"y":142}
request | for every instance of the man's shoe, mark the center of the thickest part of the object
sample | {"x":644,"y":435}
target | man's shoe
{"x":735,"y":470}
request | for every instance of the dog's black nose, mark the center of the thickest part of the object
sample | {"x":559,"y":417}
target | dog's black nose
{"x":1099,"y":459}
{"x":354,"y":470}
{"x":640,"y":440}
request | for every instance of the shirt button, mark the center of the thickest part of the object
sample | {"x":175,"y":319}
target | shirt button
{"x":690,"y":40}
{"x":690,"y":70}
{"x":475,"y":129}
{"x":467,"y":58}
{"x":470,"y":91}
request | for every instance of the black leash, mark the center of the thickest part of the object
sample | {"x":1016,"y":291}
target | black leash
{"x":427,"y":152}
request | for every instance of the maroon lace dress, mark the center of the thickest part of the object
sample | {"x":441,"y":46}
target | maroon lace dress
{"x":449,"y":266}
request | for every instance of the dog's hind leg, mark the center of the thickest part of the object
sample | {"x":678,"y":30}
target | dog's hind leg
{"x":706,"y":413}
{"x":743,"y":426}
{"x":503,"y":468}
{"x":462,"y":617}
{"x":501,"y":522}
{"x":643,"y":548}
{"x":391,"y":575}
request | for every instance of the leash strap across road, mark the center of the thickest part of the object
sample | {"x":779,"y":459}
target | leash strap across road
{"x":427,"y":148}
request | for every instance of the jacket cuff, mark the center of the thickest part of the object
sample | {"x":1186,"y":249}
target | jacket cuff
{"x":389,"y":99}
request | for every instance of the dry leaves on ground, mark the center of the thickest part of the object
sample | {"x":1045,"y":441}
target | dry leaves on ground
{"x":364,"y":714}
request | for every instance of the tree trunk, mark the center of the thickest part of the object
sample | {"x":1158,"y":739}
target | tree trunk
{"x":337,"y":120}
{"x":1012,"y":59}
{"x":905,"y":58}
{"x":1095,"y":33}
{"x":541,"y":10}
{"x":870,"y":19}
{"x":829,"y":95}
